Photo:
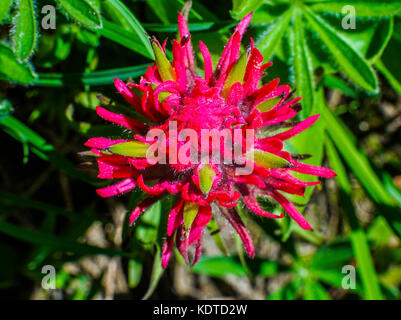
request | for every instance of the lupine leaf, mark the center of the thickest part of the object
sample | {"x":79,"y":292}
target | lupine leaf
{"x":97,"y":78}
{"x":157,"y":272}
{"x":332,"y":255}
{"x":269,"y":40}
{"x":123,"y":37}
{"x":42,"y":149}
{"x":214,"y":230}
{"x":5,"y":6}
{"x":13,"y":70}
{"x":303,"y":69}
{"x":219,"y":267}
{"x":243,"y":7}
{"x":355,"y":159}
{"x":83,"y":12}
{"x":193,"y":27}
{"x":363,"y":8}
{"x":199,"y":11}
{"x":358,"y":237}
{"x":334,"y":82}
{"x":147,"y":231}
{"x":134,"y":272}
{"x":349,"y":60}
{"x":25,"y":25}
{"x":370,"y":280}
{"x":360,"y":165}
{"x":11,"y":199}
{"x":389,"y":62}
{"x":315,"y":291}
{"x":54,"y":242}
{"x":132,"y":22}
{"x":162,"y":9}
{"x":392,"y":78}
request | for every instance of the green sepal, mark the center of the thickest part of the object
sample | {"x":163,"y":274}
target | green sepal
{"x":190,"y":212}
{"x":164,"y":67}
{"x":267,"y":159}
{"x":131,"y":149}
{"x":206,"y":174}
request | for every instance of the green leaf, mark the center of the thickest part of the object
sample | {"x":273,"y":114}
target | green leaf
{"x":130,"y":21}
{"x":389,"y":64}
{"x":358,"y":237}
{"x":315,"y":291}
{"x":349,"y":60}
{"x":13,"y":200}
{"x":54,"y":242}
{"x":26,"y":35}
{"x":147,"y":230}
{"x":303,"y":69}
{"x":83,"y":12}
{"x":269,"y":40}
{"x":242,"y":7}
{"x":392,"y":78}
{"x":219,"y":267}
{"x":13,"y":70}
{"x":128,"y":39}
{"x":42,"y":149}
{"x":193,"y":27}
{"x":332,"y":277}
{"x":198,"y":11}
{"x":134,"y":272}
{"x":161,"y":9}
{"x":361,"y":167}
{"x":157,"y":272}
{"x":309,"y":142}
{"x":336,"y":83}
{"x":380,"y":232}
{"x":5,"y":6}
{"x":363,"y":8}
{"x":355,"y":159}
{"x":214,"y":230}
{"x":97,"y":78}
{"x":370,"y":280}
{"x":130,"y":149}
{"x":269,"y":12}
{"x":332,"y":255}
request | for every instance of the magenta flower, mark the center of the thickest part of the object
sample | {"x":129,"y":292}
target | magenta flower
{"x":228,"y":98}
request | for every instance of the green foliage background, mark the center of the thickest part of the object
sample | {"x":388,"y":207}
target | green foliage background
{"x":49,"y":80}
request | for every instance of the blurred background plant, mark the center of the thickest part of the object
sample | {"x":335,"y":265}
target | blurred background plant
{"x":346,"y":67}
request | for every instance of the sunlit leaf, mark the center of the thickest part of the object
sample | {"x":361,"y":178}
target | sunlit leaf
{"x":349,"y":60}
{"x":25,"y":30}
{"x":83,"y":12}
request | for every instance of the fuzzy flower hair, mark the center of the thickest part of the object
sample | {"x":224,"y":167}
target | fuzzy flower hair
{"x":228,"y":97}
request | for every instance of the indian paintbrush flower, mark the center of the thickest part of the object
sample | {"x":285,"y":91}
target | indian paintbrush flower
{"x":229,"y":98}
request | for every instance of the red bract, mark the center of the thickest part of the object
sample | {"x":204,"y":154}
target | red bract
{"x":230,"y":98}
